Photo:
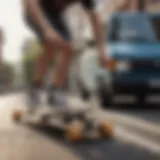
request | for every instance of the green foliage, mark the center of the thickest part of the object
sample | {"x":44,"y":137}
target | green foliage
{"x":7,"y":72}
{"x":10,"y":69}
{"x":31,"y":54}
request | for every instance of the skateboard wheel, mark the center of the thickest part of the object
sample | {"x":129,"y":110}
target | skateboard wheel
{"x":106,"y":130}
{"x":17,"y":115}
{"x":74,"y":132}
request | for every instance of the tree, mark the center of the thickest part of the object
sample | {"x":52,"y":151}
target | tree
{"x":7,"y":74}
{"x":6,"y":69}
{"x":31,"y":50}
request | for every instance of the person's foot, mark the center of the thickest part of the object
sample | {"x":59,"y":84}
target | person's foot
{"x":57,"y":98}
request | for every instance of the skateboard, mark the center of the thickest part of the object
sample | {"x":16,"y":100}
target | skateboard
{"x":77,"y":123}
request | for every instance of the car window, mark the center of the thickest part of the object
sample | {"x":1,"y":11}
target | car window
{"x":155,"y":22}
{"x":131,"y":28}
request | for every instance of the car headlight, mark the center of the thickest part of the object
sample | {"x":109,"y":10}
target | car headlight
{"x":114,"y":65}
{"x":123,"y":66}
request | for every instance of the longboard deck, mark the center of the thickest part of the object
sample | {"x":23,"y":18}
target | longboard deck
{"x":55,"y":118}
{"x":102,"y":129}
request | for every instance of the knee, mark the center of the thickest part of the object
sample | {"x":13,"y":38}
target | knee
{"x":69,"y":51}
{"x":48,"y":50}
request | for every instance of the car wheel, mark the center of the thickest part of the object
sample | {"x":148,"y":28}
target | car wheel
{"x":141,"y":98}
{"x":105,"y":99}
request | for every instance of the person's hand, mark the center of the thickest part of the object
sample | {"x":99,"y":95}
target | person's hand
{"x":107,"y":63}
{"x":103,"y":61}
{"x":52,"y":37}
{"x":55,"y":40}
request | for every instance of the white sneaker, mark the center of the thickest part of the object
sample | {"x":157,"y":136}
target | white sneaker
{"x":58,"y":99}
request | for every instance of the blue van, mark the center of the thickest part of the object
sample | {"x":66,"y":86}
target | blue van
{"x":133,"y":46}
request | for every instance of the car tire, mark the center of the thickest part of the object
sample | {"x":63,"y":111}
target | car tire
{"x":141,"y":98}
{"x":105,"y":98}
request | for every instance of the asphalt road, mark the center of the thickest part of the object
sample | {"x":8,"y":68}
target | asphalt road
{"x":137,"y":137}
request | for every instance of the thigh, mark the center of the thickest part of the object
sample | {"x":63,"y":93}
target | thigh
{"x":34,"y":27}
{"x":61,"y":27}
{"x":56,"y":22}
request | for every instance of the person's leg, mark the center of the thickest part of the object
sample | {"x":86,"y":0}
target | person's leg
{"x":45,"y":57}
{"x":57,"y":94}
{"x":61,"y":76}
{"x":41,"y":69}
{"x":42,"y":65}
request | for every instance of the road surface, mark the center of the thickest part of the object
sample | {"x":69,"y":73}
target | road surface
{"x":137,"y":137}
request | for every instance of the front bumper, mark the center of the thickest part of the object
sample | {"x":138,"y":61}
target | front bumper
{"x":135,"y":82}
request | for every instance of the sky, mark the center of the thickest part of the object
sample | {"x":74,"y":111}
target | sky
{"x":15,"y":30}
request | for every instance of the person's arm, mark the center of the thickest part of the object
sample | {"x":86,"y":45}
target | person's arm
{"x":51,"y":36}
{"x":33,"y":8}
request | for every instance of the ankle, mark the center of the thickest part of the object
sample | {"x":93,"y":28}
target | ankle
{"x":56,"y":88}
{"x":37,"y":84}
